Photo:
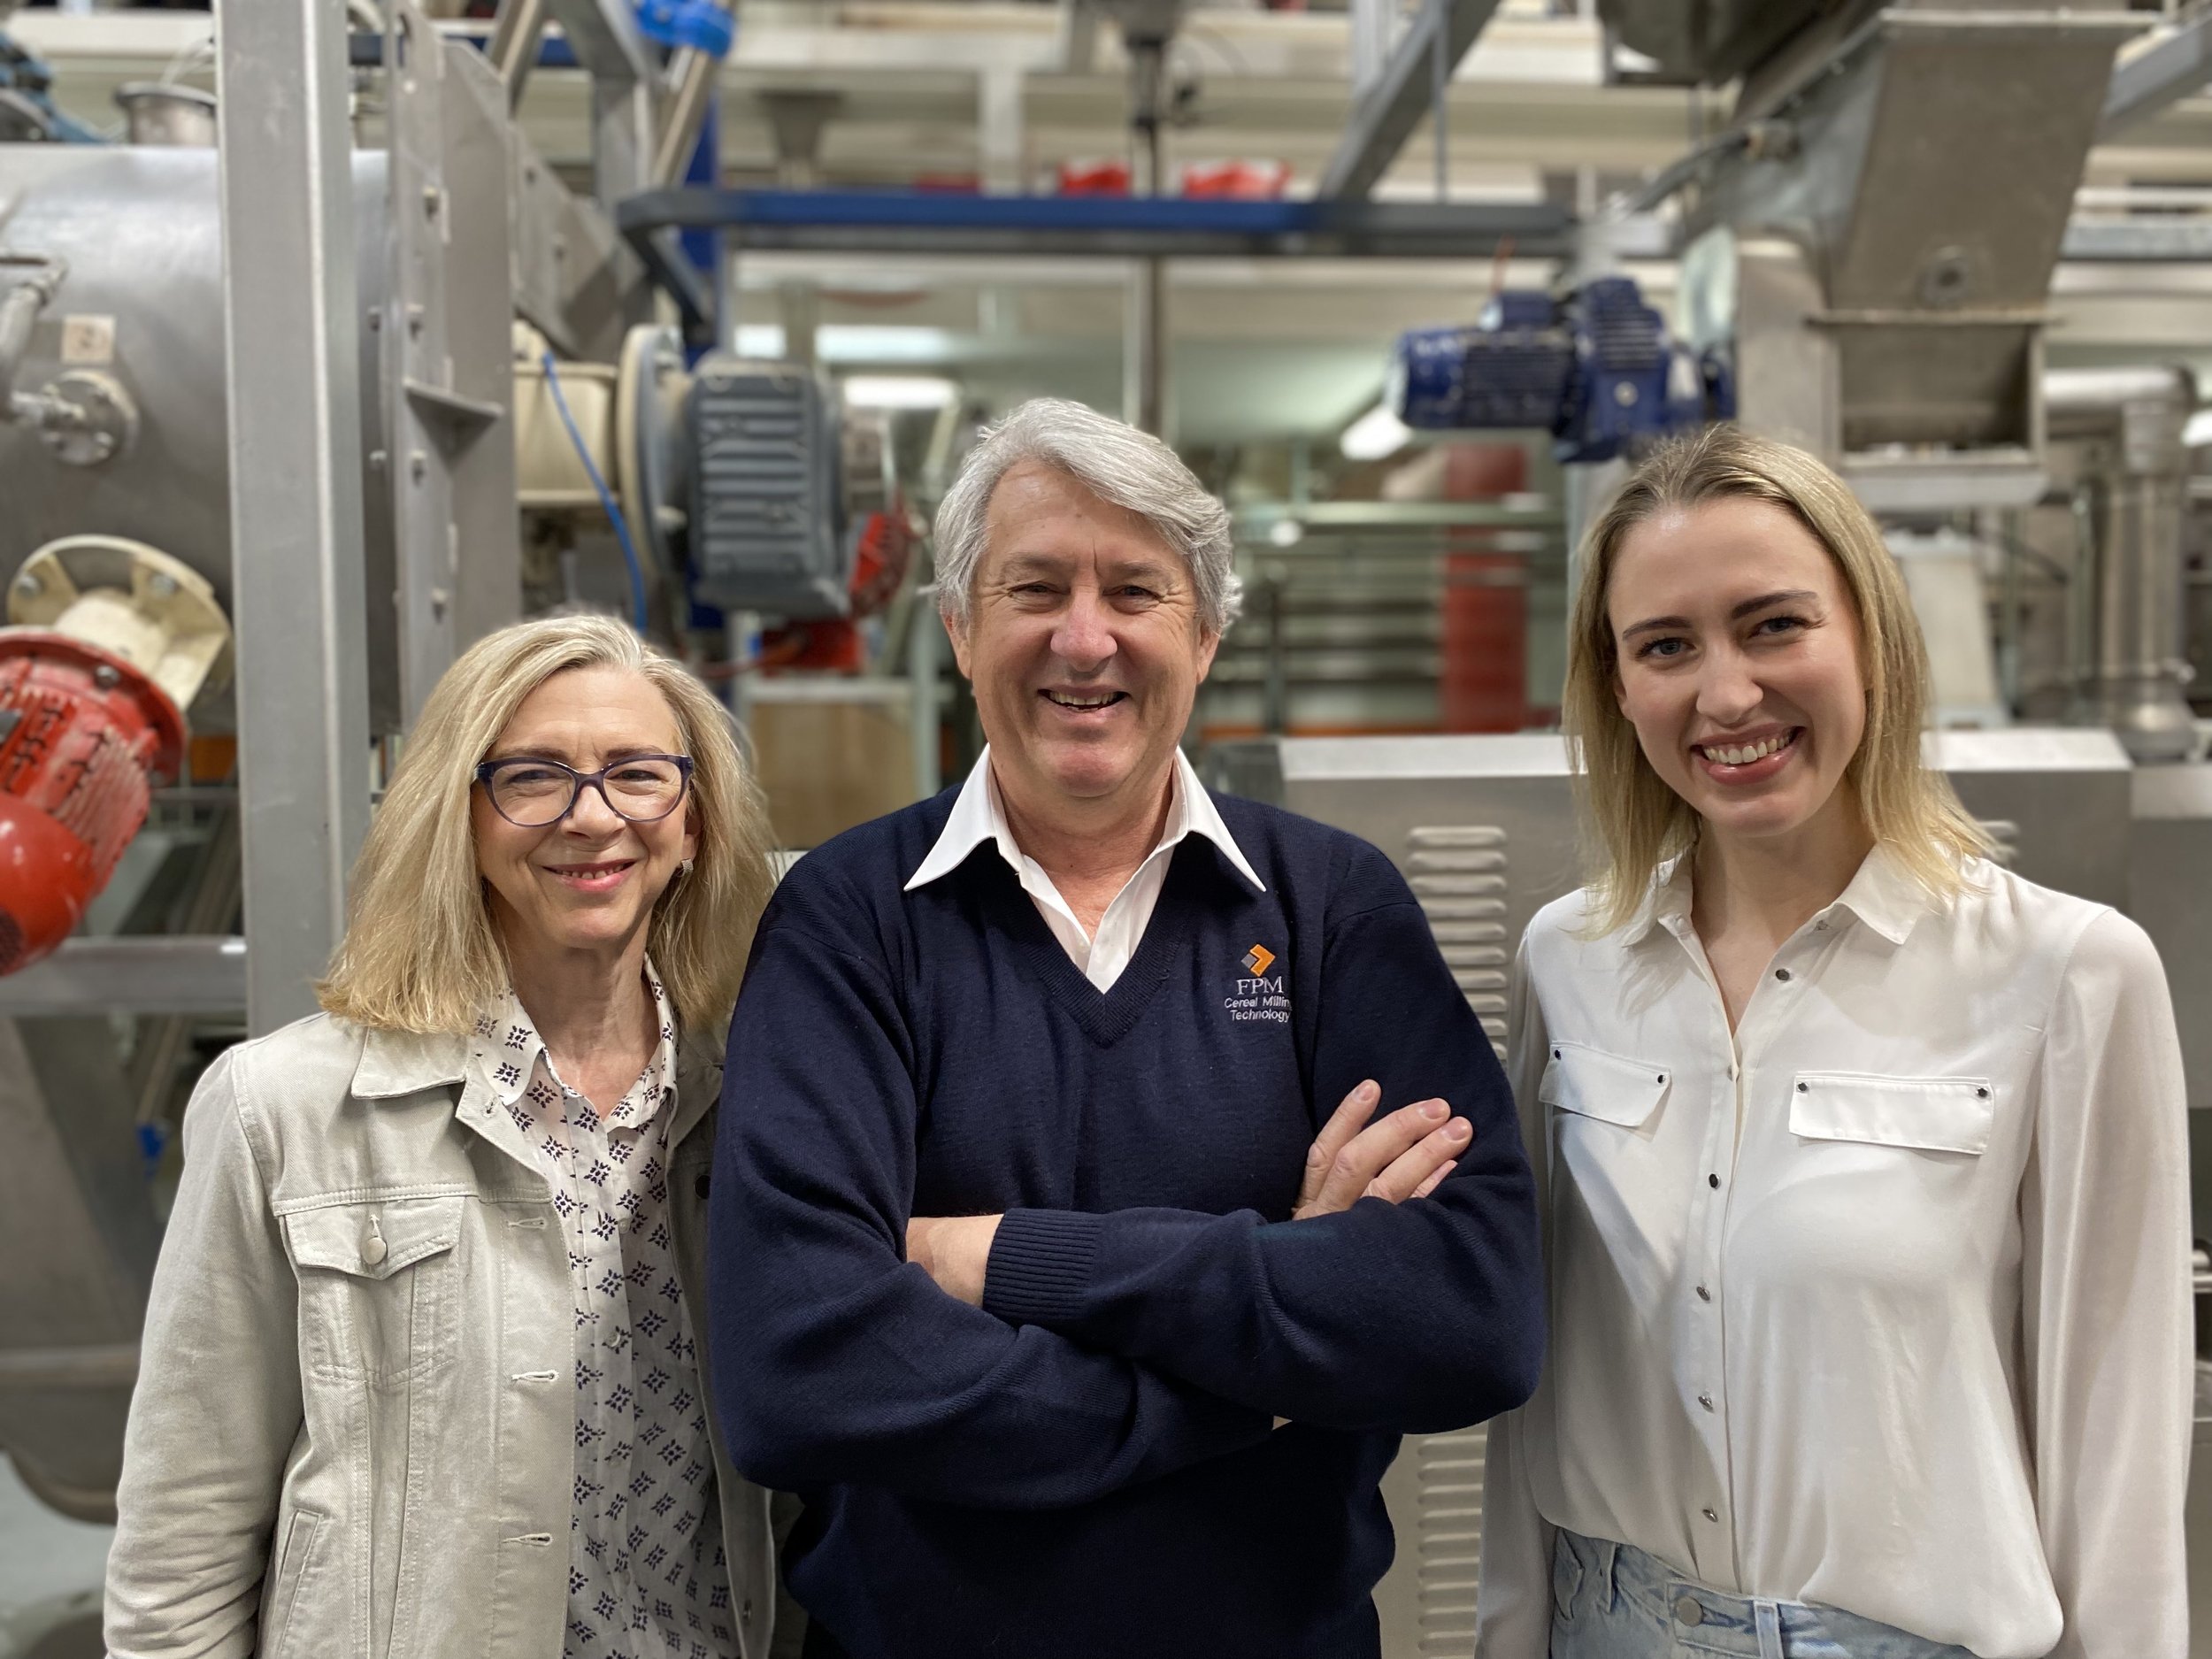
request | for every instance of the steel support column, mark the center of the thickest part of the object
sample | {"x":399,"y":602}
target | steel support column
{"x":1387,"y":111}
{"x":292,"y":315}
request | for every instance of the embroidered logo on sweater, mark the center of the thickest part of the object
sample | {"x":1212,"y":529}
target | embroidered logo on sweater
{"x":1259,"y":997}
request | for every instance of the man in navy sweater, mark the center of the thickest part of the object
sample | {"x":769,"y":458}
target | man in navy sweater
{"x":1041,"y":1265}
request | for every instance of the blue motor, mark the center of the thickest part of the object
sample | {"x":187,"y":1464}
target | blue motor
{"x":1511,"y":369}
{"x":1595,"y":368}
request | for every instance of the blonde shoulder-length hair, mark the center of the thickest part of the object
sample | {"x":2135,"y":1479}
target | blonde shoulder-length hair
{"x":1636,"y":821}
{"x":419,"y":953}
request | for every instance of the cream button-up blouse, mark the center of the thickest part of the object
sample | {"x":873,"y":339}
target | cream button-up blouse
{"x":1880,"y":1301}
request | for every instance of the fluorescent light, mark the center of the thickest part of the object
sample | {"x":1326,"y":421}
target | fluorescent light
{"x":1374,"y":435}
{"x":2199,"y":430}
{"x":873,"y":345}
{"x":899,"y":391}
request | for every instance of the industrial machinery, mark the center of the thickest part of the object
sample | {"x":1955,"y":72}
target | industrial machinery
{"x":1595,"y":367}
{"x":26,"y":106}
{"x":504,"y":428}
{"x":165,"y":525}
{"x":112,"y":641}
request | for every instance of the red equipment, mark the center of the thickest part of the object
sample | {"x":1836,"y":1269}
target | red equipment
{"x":84,"y":739}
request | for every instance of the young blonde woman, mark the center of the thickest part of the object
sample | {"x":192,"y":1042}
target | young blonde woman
{"x":1863,"y":1161}
{"x":419,"y":1374}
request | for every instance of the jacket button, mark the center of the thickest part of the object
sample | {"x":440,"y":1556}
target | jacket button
{"x":706,"y":1180}
{"x":1689,"y":1611}
{"x":745,"y":1613}
{"x":1710,"y":1514}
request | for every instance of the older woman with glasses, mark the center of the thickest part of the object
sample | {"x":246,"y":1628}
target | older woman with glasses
{"x":419,"y":1372}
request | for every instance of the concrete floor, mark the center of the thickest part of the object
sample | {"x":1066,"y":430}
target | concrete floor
{"x":50,"y":1578}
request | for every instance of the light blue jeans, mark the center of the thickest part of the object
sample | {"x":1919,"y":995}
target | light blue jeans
{"x":1614,"y":1601}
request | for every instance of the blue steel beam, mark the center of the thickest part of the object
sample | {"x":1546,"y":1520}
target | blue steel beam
{"x":855,"y":221}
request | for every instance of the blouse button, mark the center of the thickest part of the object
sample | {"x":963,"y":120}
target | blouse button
{"x":1712,"y":1514}
{"x":1704,"y":1295}
{"x":1782,"y":974}
{"x":1712,"y":1180}
{"x":1706,"y":1401}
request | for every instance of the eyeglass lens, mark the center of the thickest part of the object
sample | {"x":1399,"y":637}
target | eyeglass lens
{"x":533,"y":793}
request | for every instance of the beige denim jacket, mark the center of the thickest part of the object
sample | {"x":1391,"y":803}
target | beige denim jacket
{"x":350,"y":1439}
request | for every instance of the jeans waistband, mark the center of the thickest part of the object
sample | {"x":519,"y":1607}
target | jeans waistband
{"x":1703,"y":1619}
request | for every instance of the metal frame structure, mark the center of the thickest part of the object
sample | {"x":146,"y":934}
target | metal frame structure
{"x":851,"y":221}
{"x":2160,"y":75}
{"x":293,"y":316}
{"x":449,"y":378}
{"x":1409,"y":85}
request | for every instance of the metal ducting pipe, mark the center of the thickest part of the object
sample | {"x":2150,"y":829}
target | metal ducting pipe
{"x":2137,"y":487}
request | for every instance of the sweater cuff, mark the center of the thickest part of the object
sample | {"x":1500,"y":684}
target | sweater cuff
{"x":1039,"y":1269}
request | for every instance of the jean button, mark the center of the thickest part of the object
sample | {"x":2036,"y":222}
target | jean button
{"x":1688,"y":1611}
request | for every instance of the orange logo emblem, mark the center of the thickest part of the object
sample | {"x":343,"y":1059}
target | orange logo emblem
{"x":1259,"y":959}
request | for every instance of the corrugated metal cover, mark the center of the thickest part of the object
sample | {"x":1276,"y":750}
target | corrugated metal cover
{"x":767,"y":520}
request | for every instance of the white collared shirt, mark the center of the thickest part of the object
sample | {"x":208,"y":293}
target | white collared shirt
{"x":1885,"y":1304}
{"x":978,"y":814}
{"x":648,"y":1574}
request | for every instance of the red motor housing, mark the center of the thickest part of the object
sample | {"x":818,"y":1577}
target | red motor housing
{"x":85,"y":738}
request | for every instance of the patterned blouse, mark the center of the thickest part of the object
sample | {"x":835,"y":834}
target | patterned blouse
{"x":648,"y":1579}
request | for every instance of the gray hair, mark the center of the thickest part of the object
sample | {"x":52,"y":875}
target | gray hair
{"x":1115,"y":462}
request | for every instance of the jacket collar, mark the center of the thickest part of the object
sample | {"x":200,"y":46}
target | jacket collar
{"x":1882,"y":895}
{"x":397,"y":1063}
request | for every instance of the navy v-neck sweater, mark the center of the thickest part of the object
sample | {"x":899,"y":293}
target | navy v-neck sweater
{"x":1085,"y":1466}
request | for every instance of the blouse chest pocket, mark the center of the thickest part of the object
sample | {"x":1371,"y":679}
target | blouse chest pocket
{"x":379,"y":1301}
{"x":1924,"y":1114}
{"x":1610,"y":1088}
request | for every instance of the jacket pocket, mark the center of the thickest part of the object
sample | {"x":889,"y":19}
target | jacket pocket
{"x":1924,"y":1114}
{"x":287,"y":1578}
{"x":378,"y":1298}
{"x":1610,"y":1088}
